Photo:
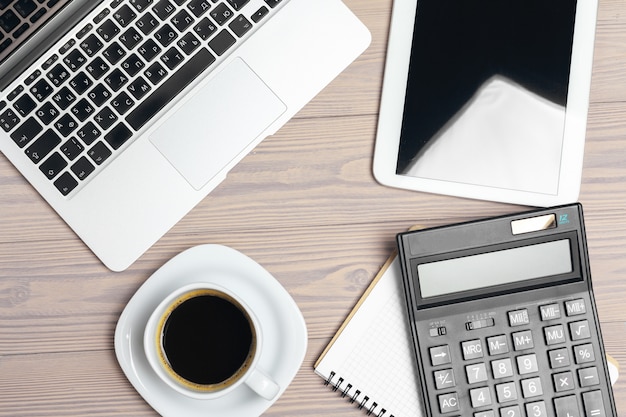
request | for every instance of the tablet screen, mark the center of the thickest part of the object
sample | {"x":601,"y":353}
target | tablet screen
{"x":487,"y":92}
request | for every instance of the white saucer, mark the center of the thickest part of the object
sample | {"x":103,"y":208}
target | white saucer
{"x":284,"y":330}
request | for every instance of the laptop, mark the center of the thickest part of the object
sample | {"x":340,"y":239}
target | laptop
{"x":124,"y":114}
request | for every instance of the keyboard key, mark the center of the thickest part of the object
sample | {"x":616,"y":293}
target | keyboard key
{"x":124,"y":15}
{"x":47,"y":113}
{"x":64,"y":98}
{"x":141,"y":5}
{"x":149,"y":50}
{"x":172,"y":58}
{"x":518,"y":317}
{"x":132,"y":65}
{"x":199,"y":7}
{"x":472,"y":349}
{"x":65,"y":183}
{"x":105,"y":118}
{"x":116,"y":79}
{"x":237,"y":4}
{"x":498,"y":345}
{"x":9,"y":21}
{"x":43,"y":146}
{"x":108,"y":30}
{"x":91,"y":44}
{"x":205,"y":28}
{"x":165,"y":35}
{"x":82,"y":168}
{"x":182,"y":20}
{"x":163,"y":9}
{"x":52,"y":166}
{"x":118,"y":136}
{"x":512,"y":411}
{"x":221,"y":14}
{"x":130,"y":38}
{"x":122,"y":103}
{"x":240,"y":26}
{"x":24,"y":105}
{"x":66,"y":125}
{"x":550,"y":312}
{"x":97,"y":68}
{"x":80,"y":83}
{"x":58,"y":75}
{"x":259,"y":14}
{"x":170,"y":89}
{"x":25,"y":7}
{"x":26,"y":132}
{"x":8,"y":120}
{"x":88,"y":133}
{"x":72,"y":148}
{"x":99,"y":95}
{"x":221,"y":42}
{"x":274,"y":3}
{"x":74,"y":60}
{"x":139,"y":88}
{"x":41,"y":90}
{"x":82,"y":110}
{"x":147,"y":23}
{"x":155,"y":73}
{"x":188,"y":43}
{"x":114,"y":53}
{"x":99,"y":153}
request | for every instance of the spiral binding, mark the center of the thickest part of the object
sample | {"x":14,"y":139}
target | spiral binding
{"x":362,"y":403}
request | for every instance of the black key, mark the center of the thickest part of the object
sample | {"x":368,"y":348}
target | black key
{"x":81,"y":83}
{"x":149,"y":50}
{"x":72,"y":148}
{"x":259,"y":14}
{"x":43,"y":146}
{"x":32,"y":77}
{"x":147,"y":23}
{"x":155,"y":73}
{"x":118,"y":136}
{"x":5,"y":44}
{"x":163,"y":9}
{"x":24,"y":105}
{"x":25,"y":7}
{"x":108,"y":30}
{"x":88,"y":133}
{"x":91,"y":44}
{"x":53,"y":165}
{"x":188,"y":43}
{"x":165,"y":35}
{"x":240,"y":26}
{"x":99,"y":153}
{"x":20,"y":31}
{"x":130,"y":38}
{"x":97,"y":68}
{"x":122,"y":103}
{"x":272,"y":3}
{"x":139,"y":88}
{"x":172,"y":58}
{"x":205,"y":28}
{"x":63,"y":98}
{"x":132,"y":65}
{"x":124,"y":15}
{"x":41,"y":90}
{"x":82,"y":110}
{"x":66,"y":125}
{"x":65,"y":183}
{"x":47,"y":113}
{"x":82,"y":168}
{"x":100,"y":17}
{"x":199,"y":7}
{"x":237,"y":4}
{"x":75,"y":59}
{"x":170,"y":89}
{"x":16,"y":92}
{"x":140,"y":5}
{"x":105,"y":118}
{"x":99,"y":95}
{"x":182,"y":20}
{"x":26,"y":132}
{"x":9,"y":21}
{"x":116,"y":79}
{"x":221,"y":14}
{"x":58,"y":75}
{"x":222,"y":42}
{"x":8,"y":120}
{"x":38,"y":15}
{"x":85,"y":30}
{"x":114,"y":53}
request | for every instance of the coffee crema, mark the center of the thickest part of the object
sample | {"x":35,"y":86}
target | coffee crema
{"x":206,"y":340}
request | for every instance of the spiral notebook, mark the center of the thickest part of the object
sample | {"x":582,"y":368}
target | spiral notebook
{"x":370,"y":360}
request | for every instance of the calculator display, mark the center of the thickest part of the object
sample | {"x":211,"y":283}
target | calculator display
{"x":503,"y":319}
{"x":494,"y":268}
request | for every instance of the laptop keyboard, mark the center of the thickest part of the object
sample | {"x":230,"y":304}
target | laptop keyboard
{"x":78,"y":109}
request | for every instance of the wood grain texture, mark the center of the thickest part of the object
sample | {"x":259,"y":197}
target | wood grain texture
{"x":304,"y":204}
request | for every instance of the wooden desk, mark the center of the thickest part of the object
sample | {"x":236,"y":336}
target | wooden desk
{"x":304,"y":204}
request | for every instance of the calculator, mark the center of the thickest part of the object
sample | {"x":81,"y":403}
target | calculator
{"x":503,"y":318}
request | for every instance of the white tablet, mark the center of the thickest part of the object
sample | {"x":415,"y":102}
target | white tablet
{"x":487,"y":99}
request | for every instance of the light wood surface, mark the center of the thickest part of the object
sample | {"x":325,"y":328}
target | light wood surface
{"x":304,"y":205}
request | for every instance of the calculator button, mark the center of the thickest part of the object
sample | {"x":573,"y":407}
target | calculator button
{"x":512,"y":411}
{"x":527,"y":364}
{"x":594,"y":406}
{"x":506,"y":392}
{"x":448,"y":403}
{"x":588,"y":377}
{"x":579,"y":330}
{"x":480,"y":397}
{"x":488,"y":413}
{"x":563,"y":381}
{"x":559,"y":358}
{"x":536,"y":409}
{"x":523,"y":340}
{"x":518,"y":317}
{"x":554,"y":334}
{"x":444,"y":378}
{"x":550,"y":312}
{"x":472,"y":349}
{"x":497,"y":345}
{"x":567,"y":407}
{"x":502,"y":368}
{"x":476,"y":373}
{"x":531,"y":387}
{"x":439,"y":355}
{"x":575,"y":307}
{"x":584,"y":353}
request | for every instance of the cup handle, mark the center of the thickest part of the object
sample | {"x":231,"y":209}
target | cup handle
{"x":262,"y":384}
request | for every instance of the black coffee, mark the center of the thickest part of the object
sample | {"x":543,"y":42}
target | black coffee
{"x":208,"y":340}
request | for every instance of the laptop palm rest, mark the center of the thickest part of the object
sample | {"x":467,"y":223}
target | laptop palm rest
{"x":206,"y":133}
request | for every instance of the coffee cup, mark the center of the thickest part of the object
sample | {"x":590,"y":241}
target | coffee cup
{"x":204,"y":342}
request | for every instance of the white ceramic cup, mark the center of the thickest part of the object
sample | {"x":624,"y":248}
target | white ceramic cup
{"x":248,"y":373}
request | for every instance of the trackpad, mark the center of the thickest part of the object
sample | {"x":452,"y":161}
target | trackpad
{"x":217,"y":123}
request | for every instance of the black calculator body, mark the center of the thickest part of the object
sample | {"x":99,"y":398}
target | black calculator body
{"x":503,"y":318}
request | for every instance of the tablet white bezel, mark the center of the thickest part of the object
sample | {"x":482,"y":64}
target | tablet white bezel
{"x":392,"y":107}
